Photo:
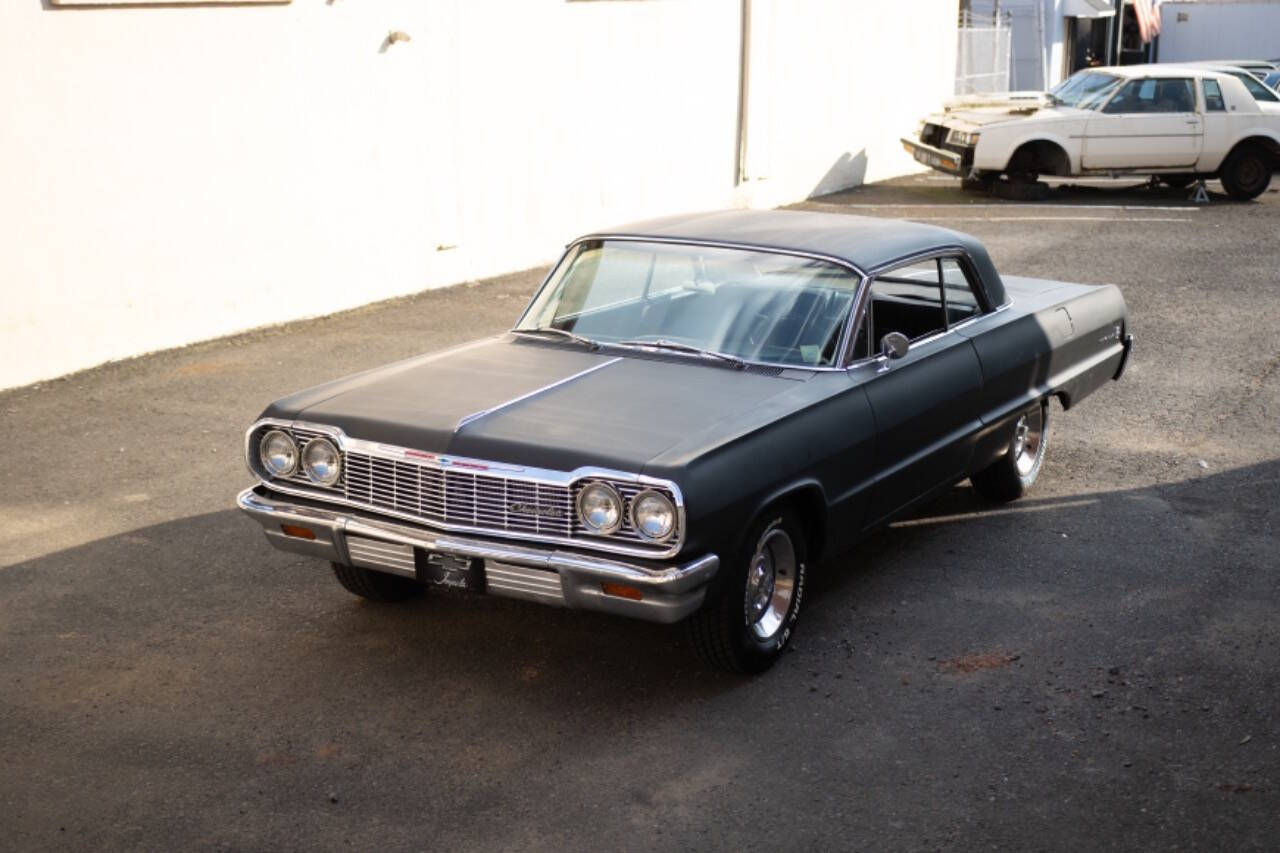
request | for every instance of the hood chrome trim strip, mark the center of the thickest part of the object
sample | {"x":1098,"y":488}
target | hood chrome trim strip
{"x":475,"y":416}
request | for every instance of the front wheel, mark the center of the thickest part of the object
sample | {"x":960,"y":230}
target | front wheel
{"x":747,"y":625}
{"x":1247,"y":173}
{"x":1010,"y":476}
{"x":375,"y":586}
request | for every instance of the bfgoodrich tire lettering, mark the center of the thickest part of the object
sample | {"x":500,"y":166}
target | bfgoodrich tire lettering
{"x":746,"y":626}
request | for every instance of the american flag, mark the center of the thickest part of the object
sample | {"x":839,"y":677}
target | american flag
{"x":1148,"y":14}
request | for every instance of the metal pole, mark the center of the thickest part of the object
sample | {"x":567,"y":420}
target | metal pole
{"x":744,"y":82}
{"x":1119,"y":32}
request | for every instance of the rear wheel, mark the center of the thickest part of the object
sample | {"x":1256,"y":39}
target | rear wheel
{"x":1247,"y":173}
{"x":375,"y":586}
{"x":1009,"y":477}
{"x":747,"y":625}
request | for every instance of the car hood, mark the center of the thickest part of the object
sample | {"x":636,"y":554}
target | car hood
{"x":1021,"y":99}
{"x":539,"y":404}
{"x":972,"y":119}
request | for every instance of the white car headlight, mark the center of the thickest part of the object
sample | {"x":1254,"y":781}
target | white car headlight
{"x":322,"y":462}
{"x":600,"y":508}
{"x":961,"y":137}
{"x":278,"y":453}
{"x":653,"y":515}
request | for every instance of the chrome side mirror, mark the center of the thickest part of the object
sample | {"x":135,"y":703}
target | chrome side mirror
{"x":894,"y":346}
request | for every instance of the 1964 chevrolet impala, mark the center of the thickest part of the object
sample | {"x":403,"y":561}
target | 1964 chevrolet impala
{"x":690,"y":412}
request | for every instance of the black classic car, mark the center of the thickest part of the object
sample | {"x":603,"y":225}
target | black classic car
{"x":690,"y":412}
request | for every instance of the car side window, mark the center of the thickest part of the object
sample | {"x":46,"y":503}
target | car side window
{"x":1213,"y":102}
{"x":1166,"y":95}
{"x":907,"y":300}
{"x":1259,"y":91}
{"x":961,"y":301}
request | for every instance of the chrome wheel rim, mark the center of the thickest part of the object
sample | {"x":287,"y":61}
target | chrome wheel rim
{"x":771,"y":579}
{"x":1028,"y":439}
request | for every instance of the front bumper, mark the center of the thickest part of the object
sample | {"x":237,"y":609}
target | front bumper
{"x":661,"y":593}
{"x":937,"y":158}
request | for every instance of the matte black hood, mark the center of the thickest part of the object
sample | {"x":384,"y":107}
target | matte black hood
{"x":608,"y":408}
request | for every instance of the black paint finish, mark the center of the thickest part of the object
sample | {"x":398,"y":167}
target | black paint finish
{"x":852,"y":446}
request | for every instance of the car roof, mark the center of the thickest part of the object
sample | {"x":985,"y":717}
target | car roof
{"x":1237,"y":63}
{"x":1164,"y":69}
{"x":868,"y":243}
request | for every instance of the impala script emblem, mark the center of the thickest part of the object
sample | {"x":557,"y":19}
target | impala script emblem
{"x":536,"y":509}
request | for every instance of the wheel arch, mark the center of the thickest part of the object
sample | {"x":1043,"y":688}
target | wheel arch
{"x":1268,"y":142}
{"x":1049,"y":154}
{"x":808,"y":500}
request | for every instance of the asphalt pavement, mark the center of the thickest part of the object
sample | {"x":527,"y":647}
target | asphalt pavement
{"x":1094,"y":667}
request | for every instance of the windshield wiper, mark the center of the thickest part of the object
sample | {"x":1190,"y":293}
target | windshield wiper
{"x":551,"y":330}
{"x":676,"y":346}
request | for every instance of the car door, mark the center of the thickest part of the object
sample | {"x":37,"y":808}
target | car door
{"x":1150,"y":122}
{"x":926,"y":403}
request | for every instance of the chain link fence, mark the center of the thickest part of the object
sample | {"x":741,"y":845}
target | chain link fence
{"x":984,"y":53}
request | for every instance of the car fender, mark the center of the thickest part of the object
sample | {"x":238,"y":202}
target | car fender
{"x":997,"y":143}
{"x":1257,"y":130}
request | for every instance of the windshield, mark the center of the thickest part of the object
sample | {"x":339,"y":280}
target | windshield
{"x":1084,"y":89}
{"x":718,"y":302}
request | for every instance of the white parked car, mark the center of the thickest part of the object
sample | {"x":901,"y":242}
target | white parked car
{"x":1176,"y":122}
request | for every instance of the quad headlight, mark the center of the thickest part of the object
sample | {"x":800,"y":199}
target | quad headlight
{"x":278,"y":453}
{"x":322,"y":462}
{"x":600,"y":508}
{"x":961,"y":137}
{"x":653,"y":515}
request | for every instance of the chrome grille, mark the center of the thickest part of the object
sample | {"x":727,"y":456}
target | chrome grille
{"x":459,"y":498}
{"x":440,"y":491}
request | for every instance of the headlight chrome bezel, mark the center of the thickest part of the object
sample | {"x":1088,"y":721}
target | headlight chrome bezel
{"x":964,"y":137}
{"x":336,"y":474}
{"x":614,"y":497}
{"x":671,"y":510}
{"x":263,"y":456}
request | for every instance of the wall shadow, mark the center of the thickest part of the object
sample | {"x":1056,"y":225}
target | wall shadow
{"x":849,"y":170}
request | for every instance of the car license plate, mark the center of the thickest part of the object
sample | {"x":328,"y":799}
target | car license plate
{"x":932,"y":160}
{"x":448,"y":570}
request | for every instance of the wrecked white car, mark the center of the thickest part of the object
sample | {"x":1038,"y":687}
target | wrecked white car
{"x":1177,"y":123}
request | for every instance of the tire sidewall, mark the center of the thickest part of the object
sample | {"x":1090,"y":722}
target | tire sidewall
{"x":757,"y":653}
{"x":1237,"y":189}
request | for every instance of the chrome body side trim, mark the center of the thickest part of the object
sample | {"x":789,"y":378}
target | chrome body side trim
{"x":577,"y":536}
{"x":475,"y":416}
{"x":670,"y":591}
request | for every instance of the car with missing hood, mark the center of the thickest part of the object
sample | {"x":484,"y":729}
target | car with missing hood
{"x":1177,"y":123}
{"x":690,"y":412}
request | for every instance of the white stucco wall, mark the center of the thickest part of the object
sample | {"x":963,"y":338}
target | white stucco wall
{"x":173,"y":174}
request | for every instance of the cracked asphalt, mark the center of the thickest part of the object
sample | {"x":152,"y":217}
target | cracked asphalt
{"x":1093,"y":667}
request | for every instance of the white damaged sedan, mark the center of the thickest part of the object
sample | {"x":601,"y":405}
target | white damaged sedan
{"x":1177,"y":123}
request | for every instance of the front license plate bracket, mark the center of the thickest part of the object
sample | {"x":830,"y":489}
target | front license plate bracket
{"x":433,"y":567}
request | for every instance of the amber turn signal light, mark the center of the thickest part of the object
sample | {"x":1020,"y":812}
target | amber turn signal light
{"x":620,"y":591}
{"x":299,"y":532}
